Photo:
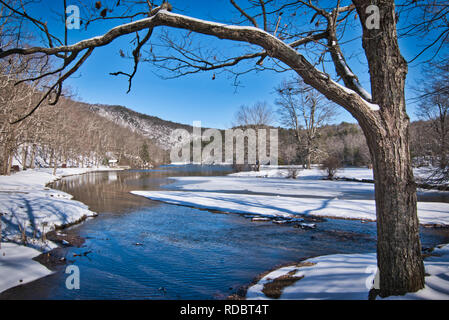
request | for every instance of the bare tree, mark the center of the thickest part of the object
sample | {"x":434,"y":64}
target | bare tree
{"x":434,"y":108}
{"x":428,"y":21}
{"x":304,"y":110}
{"x":283,"y":37}
{"x":16,"y":98}
{"x":255,"y":116}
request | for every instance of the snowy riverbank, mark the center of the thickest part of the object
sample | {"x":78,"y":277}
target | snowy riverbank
{"x":308,"y":195}
{"x":346,"y":276}
{"x":430,"y":213}
{"x":28,"y":210}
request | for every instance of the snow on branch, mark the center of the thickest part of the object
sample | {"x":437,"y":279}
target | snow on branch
{"x":274,"y":47}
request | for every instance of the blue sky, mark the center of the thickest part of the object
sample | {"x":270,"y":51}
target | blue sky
{"x":194,"y":97}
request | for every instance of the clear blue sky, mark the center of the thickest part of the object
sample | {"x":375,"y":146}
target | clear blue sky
{"x":194,"y":97}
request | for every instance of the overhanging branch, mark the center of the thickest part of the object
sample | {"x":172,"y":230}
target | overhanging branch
{"x":273,"y":46}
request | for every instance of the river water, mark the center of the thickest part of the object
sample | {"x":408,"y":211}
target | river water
{"x":142,"y":249}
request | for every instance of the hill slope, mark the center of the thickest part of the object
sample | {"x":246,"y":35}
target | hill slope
{"x":151,"y":127}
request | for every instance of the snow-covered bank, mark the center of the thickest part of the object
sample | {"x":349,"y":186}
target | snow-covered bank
{"x":348,"y":173}
{"x":309,"y":183}
{"x":350,"y":276}
{"x":18,"y":267}
{"x":307,"y":186}
{"x":430,"y":213}
{"x":28,"y":210}
{"x":309,"y":194}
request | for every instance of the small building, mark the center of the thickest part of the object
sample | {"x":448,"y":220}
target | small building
{"x":113,"y":163}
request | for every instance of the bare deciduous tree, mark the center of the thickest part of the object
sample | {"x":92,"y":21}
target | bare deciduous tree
{"x":283,"y":37}
{"x":434,"y":108}
{"x":255,"y":116}
{"x":304,"y":110}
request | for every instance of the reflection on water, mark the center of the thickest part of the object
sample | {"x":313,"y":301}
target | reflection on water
{"x":182,"y":253}
{"x":109,"y":191}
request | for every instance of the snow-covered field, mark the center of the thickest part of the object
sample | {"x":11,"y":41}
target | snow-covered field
{"x":309,"y":194}
{"x":28,"y":207}
{"x":351,"y":276}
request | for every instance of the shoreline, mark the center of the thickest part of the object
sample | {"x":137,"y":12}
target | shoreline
{"x":44,"y":250}
{"x":431,"y":214}
{"x":343,"y":276}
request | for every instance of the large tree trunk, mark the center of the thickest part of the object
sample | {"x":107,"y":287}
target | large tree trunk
{"x":398,"y":244}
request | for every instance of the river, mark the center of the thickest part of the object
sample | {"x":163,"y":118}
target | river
{"x":142,"y":249}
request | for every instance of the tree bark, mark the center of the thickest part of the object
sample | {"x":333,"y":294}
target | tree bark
{"x":33,"y":156}
{"x":5,"y":160}
{"x":398,"y":243}
{"x":309,"y":158}
{"x":9,"y":163}
{"x":24,"y":157}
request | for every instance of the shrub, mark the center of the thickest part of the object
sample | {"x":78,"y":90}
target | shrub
{"x":292,"y":173}
{"x":331,"y":165}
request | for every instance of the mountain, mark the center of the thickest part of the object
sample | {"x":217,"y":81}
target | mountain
{"x":151,"y":127}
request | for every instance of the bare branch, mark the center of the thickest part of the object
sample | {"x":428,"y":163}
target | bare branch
{"x":273,"y":46}
{"x":136,"y":55}
{"x":247,"y":16}
{"x":58,"y":84}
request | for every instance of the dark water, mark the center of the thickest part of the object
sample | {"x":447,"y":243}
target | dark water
{"x":186,"y":253}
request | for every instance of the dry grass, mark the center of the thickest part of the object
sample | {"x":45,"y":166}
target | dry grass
{"x":274,"y":288}
{"x":305,"y":264}
{"x":241,"y":293}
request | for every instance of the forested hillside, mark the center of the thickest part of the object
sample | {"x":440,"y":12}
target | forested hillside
{"x":72,"y":134}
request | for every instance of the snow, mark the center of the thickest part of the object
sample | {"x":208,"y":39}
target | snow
{"x":349,"y":173}
{"x":429,"y":212}
{"x":372,"y":106}
{"x":351,"y":276}
{"x":17,"y":266}
{"x":309,"y":183}
{"x":268,"y":193}
{"x":26,"y":204}
{"x":272,"y":181}
{"x":264,"y":193}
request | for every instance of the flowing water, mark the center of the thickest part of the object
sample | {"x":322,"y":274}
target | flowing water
{"x":142,"y":249}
